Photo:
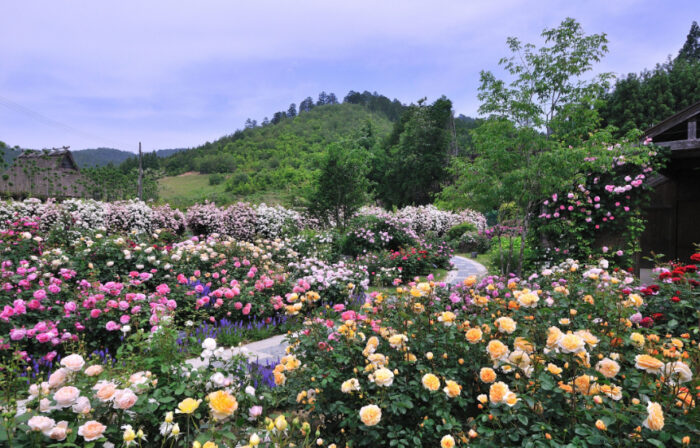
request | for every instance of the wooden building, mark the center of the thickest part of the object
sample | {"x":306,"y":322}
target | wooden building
{"x":43,"y":174}
{"x":673,"y":216}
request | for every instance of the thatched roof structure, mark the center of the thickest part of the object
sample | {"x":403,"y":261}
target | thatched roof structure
{"x":43,"y":174}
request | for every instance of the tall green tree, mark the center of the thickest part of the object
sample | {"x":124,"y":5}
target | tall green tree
{"x":341,"y":186}
{"x":548,"y":88}
{"x":691,"y":48}
{"x":416,"y":155}
{"x":523,"y":151}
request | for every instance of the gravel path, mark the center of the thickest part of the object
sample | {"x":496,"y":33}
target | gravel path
{"x":464,"y":267}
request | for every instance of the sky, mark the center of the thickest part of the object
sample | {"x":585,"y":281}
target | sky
{"x":176,"y":74}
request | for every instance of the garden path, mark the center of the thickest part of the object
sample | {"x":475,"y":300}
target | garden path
{"x":272,"y":349}
{"x":464,"y":267}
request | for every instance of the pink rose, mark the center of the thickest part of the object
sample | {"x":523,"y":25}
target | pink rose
{"x":124,"y":399}
{"x":73,"y":362}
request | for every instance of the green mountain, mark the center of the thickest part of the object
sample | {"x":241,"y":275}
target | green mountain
{"x":278,"y":156}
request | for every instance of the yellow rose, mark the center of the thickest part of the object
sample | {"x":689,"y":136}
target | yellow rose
{"x":600,"y":425}
{"x":452,"y":389}
{"x":648,"y":363}
{"x":383,"y":377}
{"x":222,"y":404}
{"x":554,"y":369}
{"x":524,"y":345}
{"x":553,"y":336}
{"x":474,"y":335}
{"x":187,"y":406}
{"x":482,"y":398}
{"x":350,"y":385}
{"x":637,"y":339}
{"x":280,"y":378}
{"x":398,"y":340}
{"x":447,"y":442}
{"x":571,"y":343}
{"x":511,"y":399}
{"x":447,"y":318}
{"x":281,"y":423}
{"x":497,"y":350}
{"x":370,"y":414}
{"x":430,"y":382}
{"x":505,"y":325}
{"x":655,"y":418}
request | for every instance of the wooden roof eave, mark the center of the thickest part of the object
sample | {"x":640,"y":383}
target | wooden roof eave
{"x":685,"y":114}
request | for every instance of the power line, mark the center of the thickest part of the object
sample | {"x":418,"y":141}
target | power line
{"x":13,"y":106}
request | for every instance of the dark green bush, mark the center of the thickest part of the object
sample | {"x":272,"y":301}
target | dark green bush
{"x":216,"y":179}
{"x":460,"y":229}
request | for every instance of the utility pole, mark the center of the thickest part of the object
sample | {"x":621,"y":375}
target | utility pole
{"x":140,"y":174}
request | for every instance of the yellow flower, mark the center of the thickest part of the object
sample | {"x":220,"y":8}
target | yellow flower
{"x":474,"y":335}
{"x":487,"y":375}
{"x":600,"y":424}
{"x":554,"y":369}
{"x":210,"y":444}
{"x":648,"y":363}
{"x":607,"y":367}
{"x":254,"y":440}
{"x":637,"y":339}
{"x":430,"y":382}
{"x":429,"y":356}
{"x":398,"y":340}
{"x":280,"y":378}
{"x":370,"y":414}
{"x":350,"y":385}
{"x":655,"y":418}
{"x":222,"y":404}
{"x":505,"y":325}
{"x":571,"y":343}
{"x":470,"y":281}
{"x":452,"y":389}
{"x":497,"y":350}
{"x":553,"y":336}
{"x":129,"y":434}
{"x":187,"y":406}
{"x":169,"y":417}
{"x":498,"y":392}
{"x":524,"y":345}
{"x":527,"y":298}
{"x":447,"y":318}
{"x":383,"y":377}
{"x":483,"y":399}
{"x":447,"y":442}
{"x":511,"y":399}
{"x":281,"y":423}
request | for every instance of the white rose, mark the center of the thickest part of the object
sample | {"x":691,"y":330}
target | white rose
{"x":209,"y":344}
{"x":59,"y":432}
{"x":58,"y":377}
{"x":218,"y":379}
{"x":250,"y":390}
{"x":73,"y":362}
{"x":44,"y":405}
{"x":124,"y":399}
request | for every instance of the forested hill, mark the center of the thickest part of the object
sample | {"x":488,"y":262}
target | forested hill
{"x":86,"y":158}
{"x":277,"y":155}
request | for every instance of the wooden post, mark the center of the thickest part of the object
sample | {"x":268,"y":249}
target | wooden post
{"x":140,"y":174}
{"x":692,"y":129}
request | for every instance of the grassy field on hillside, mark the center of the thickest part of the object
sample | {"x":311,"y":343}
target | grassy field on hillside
{"x":186,"y":189}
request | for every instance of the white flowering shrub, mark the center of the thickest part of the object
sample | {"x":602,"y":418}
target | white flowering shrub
{"x":203,"y":219}
{"x":239,"y":221}
{"x":275,"y":221}
{"x":129,"y":216}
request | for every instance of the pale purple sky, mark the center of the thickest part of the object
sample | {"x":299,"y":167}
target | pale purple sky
{"x":178,"y":73}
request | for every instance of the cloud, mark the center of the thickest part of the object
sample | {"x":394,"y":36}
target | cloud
{"x":178,"y":73}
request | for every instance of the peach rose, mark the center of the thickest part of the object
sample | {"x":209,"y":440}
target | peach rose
{"x":607,"y":367}
{"x":82,"y":405}
{"x":58,"y":377}
{"x":94,"y":370}
{"x":487,"y":375}
{"x":59,"y":432}
{"x":41,"y":423}
{"x":66,"y":396}
{"x":498,"y":392}
{"x":44,"y":405}
{"x":505,"y":325}
{"x":124,"y":399}
{"x":655,"y":419}
{"x":73,"y":362}
{"x":91,"y":430}
{"x":105,"y":390}
{"x":370,"y":415}
{"x":571,"y":343}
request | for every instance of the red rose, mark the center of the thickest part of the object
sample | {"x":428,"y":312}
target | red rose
{"x":675,"y":299}
{"x":695,"y":257}
{"x":690,"y":268}
{"x":657,"y":316}
{"x":647,"y":322}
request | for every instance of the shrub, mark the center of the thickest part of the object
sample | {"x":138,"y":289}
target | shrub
{"x":457,"y":231}
{"x":216,"y":179}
